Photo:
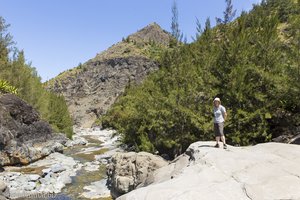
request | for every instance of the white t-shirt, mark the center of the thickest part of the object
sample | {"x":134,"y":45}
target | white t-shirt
{"x":219,"y":113}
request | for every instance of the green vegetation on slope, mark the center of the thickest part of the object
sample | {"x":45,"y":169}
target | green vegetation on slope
{"x":252,"y":63}
{"x":5,"y":87}
{"x":15,"y":71}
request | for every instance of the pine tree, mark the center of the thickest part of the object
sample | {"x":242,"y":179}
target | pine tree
{"x":175,"y":24}
{"x":228,"y":14}
{"x":199,"y":30}
{"x":5,"y":43}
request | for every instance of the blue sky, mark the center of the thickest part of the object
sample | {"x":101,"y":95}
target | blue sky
{"x":57,"y":35}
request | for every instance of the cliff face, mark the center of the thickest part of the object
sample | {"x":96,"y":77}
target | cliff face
{"x":91,"y":88}
{"x":91,"y":92}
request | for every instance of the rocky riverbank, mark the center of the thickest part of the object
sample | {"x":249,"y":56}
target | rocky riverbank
{"x":46,"y":176}
{"x":78,"y":173}
{"x":265,"y":171}
{"x":91,"y":180}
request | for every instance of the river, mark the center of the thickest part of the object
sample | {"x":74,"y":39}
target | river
{"x":90,"y":183}
{"x":89,"y":166}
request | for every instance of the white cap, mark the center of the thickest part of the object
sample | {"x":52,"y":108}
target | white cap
{"x":217,"y":99}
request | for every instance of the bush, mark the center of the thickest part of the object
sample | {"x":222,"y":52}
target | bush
{"x":5,"y":87}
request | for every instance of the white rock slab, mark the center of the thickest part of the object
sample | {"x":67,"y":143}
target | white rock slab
{"x":265,"y":171}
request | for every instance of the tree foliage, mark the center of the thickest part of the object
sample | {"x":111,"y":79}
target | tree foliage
{"x":18,"y":77}
{"x":250,"y":63}
{"x":229,"y":13}
{"x":175,"y":24}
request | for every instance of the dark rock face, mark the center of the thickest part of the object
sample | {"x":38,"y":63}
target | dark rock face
{"x":21,"y":120}
{"x":24,"y":137}
{"x":93,"y":90}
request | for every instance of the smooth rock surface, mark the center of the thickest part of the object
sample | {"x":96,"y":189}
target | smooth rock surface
{"x":56,"y":168}
{"x":34,"y":177}
{"x":263,"y":172}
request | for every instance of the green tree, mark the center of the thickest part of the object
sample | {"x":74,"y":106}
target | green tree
{"x":251,"y":63}
{"x":59,"y":115}
{"x":199,"y":30}
{"x":228,"y":14}
{"x":175,"y":24}
{"x":15,"y":71}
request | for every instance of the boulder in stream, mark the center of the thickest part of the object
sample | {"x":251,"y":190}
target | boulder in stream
{"x":128,"y":171}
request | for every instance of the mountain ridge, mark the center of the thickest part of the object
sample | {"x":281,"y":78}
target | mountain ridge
{"x":91,"y":88}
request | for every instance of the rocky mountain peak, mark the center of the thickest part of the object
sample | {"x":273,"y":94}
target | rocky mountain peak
{"x":91,"y":88}
{"x":151,"y":33}
{"x":137,"y":44}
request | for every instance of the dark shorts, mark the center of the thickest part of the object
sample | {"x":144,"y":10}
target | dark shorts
{"x":219,"y":129}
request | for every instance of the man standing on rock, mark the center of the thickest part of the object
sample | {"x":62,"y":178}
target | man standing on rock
{"x":219,"y":119}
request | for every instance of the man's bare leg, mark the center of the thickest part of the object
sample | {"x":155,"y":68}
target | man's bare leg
{"x":224,"y":141}
{"x":217,"y":140}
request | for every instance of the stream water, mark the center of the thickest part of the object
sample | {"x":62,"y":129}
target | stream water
{"x":90,"y":180}
{"x":99,"y":142}
{"x":83,"y":177}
